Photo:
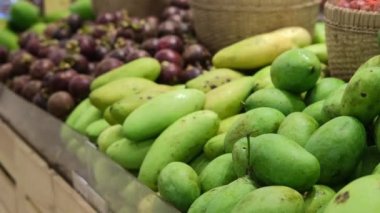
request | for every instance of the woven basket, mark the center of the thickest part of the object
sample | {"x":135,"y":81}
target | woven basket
{"x":351,"y":39}
{"x":139,"y":8}
{"x":219,"y":23}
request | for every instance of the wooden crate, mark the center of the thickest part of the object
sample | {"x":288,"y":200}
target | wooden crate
{"x":7,"y":147}
{"x":7,"y":194}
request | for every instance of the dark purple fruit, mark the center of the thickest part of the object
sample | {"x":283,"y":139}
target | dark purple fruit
{"x":106,"y":18}
{"x":149,"y":31}
{"x":87,"y":46}
{"x":40,"y":67}
{"x":26,"y":37}
{"x":170,"y":11}
{"x":127,"y":33}
{"x":196,"y":54}
{"x":171,"y":42}
{"x":189,"y":73}
{"x":92,"y":67}
{"x":137,"y":54}
{"x":33,"y":46}
{"x":56,"y":54}
{"x":62,"y":33}
{"x":184,"y":4}
{"x":169,"y":73}
{"x":176,"y":18}
{"x":5,"y":71}
{"x":120,"y":53}
{"x":31,"y":89}
{"x":186,"y":29}
{"x":50,"y":30}
{"x":19,"y":82}
{"x":21,"y":62}
{"x":40,"y":99}
{"x":170,"y":56}
{"x":106,"y":65}
{"x":98,"y":31}
{"x":167,"y":28}
{"x":60,"y":80}
{"x":75,"y":22}
{"x":150,"y":45}
{"x":3,"y":54}
{"x":101,"y":52}
{"x":120,"y":15}
{"x":60,"y":104}
{"x":77,"y":62}
{"x":79,"y":86}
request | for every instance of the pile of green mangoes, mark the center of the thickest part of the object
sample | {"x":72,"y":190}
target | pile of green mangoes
{"x":283,"y":140}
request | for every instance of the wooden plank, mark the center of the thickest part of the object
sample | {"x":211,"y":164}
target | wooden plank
{"x":8,"y":193}
{"x":34,"y":177}
{"x":67,"y":199}
{"x":25,"y":205}
{"x":7,"y":144}
{"x":3,"y":209}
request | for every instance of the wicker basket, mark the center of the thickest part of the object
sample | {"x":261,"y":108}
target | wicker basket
{"x":139,"y":8}
{"x":219,"y":23}
{"x":351,"y":39}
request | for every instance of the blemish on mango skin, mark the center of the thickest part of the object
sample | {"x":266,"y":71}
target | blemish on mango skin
{"x":342,"y":198}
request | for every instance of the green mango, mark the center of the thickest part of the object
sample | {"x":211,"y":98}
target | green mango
{"x":227,"y":100}
{"x":179,"y":184}
{"x":230,"y":195}
{"x":277,"y":160}
{"x":317,"y":199}
{"x":213,"y":79}
{"x":199,"y":163}
{"x":218,"y":172}
{"x":23,"y":14}
{"x":376,"y":170}
{"x":338,"y":145}
{"x":323,"y":89}
{"x":372,"y":62}
{"x":262,"y":79}
{"x":274,"y":98}
{"x":240,"y":158}
{"x":361,"y":97}
{"x":369,"y":160}
{"x":123,"y":108}
{"x":377,"y":132}
{"x":56,"y":16}
{"x":151,"y":118}
{"x":127,"y":153}
{"x":332,"y":106}
{"x":298,"y":127}
{"x":181,"y":141}
{"x":90,"y":115}
{"x":116,"y":90}
{"x":107,"y":115}
{"x":77,"y":112}
{"x":227,"y":123}
{"x":320,"y":50}
{"x":315,"y":110}
{"x":109,"y":136}
{"x":296,"y":71}
{"x":361,"y":195}
{"x":147,"y":68}
{"x":253,"y":123}
{"x":271,"y":199}
{"x":95,"y":128}
{"x":38,"y":28}
{"x":260,"y":50}
{"x":9,"y":39}
{"x":214,"y":147}
{"x":201,"y":203}
{"x":319,"y":35}
{"x":83,"y":8}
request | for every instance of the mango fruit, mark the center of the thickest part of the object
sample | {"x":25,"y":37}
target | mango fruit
{"x":109,"y":136}
{"x":299,"y":127}
{"x":369,"y":160}
{"x":214,"y":147}
{"x":278,"y":99}
{"x":253,"y":123}
{"x":323,"y":89}
{"x":320,"y":50}
{"x":181,"y":141}
{"x":213,"y":79}
{"x":23,"y":14}
{"x":77,"y":112}
{"x":332,"y":106}
{"x":147,"y":68}
{"x":107,"y":115}
{"x":338,"y":146}
{"x":96,"y":128}
{"x":377,"y":132}
{"x":90,"y":115}
{"x":240,"y":157}
{"x":271,"y":199}
{"x":226,"y":123}
{"x":83,"y":8}
{"x":201,"y":203}
{"x":218,"y":172}
{"x":199,"y":163}
{"x":316,"y":111}
{"x":319,"y":35}
{"x":277,"y":160}
{"x":227,"y":100}
{"x":151,"y":118}
{"x":317,"y":199}
{"x":262,"y":79}
{"x":9,"y":39}
{"x":295,"y":70}
{"x":179,"y":184}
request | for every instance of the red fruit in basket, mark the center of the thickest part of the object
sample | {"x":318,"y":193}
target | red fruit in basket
{"x":77,"y":62}
{"x":60,"y":81}
{"x":106,"y":18}
{"x":87,"y":46}
{"x":19,"y":82}
{"x":40,"y":99}
{"x":60,"y":104}
{"x":137,"y":54}
{"x":3,"y":54}
{"x":150,"y":45}
{"x":170,"y":56}
{"x":21,"y":62}
{"x":79,"y":86}
{"x":106,"y":65}
{"x":195,"y":54}
{"x":169,"y":11}
{"x":167,"y":28}
{"x":31,"y":89}
{"x":184,"y":4}
{"x":189,"y":73}
{"x":5,"y":71}
{"x":75,"y":22}
{"x":40,"y":67}
{"x":171,"y":42}
{"x":169,"y":73}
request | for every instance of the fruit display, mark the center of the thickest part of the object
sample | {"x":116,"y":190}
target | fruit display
{"x":366,"y":5}
{"x":258,"y":126}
